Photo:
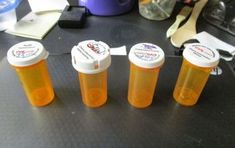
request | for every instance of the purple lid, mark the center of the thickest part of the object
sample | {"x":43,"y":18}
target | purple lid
{"x":107,"y":7}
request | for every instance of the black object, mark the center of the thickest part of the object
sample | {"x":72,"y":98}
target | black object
{"x":221,"y":15}
{"x":179,"y":51}
{"x":73,"y":17}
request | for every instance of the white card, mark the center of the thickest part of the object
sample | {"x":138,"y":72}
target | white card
{"x":121,"y":51}
{"x":213,"y":42}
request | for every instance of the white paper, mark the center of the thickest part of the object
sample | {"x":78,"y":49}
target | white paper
{"x":118,"y":51}
{"x":211,"y":41}
{"x":39,"y":6}
{"x":34,"y":26}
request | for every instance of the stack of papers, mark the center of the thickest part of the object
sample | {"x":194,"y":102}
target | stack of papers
{"x":36,"y":24}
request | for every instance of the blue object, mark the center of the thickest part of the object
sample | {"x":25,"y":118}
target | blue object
{"x":107,"y":7}
{"x":7,"y":5}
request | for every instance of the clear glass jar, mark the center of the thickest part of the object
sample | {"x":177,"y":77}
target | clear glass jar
{"x":156,"y":9}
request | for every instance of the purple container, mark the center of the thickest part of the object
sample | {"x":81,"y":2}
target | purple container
{"x":107,"y":7}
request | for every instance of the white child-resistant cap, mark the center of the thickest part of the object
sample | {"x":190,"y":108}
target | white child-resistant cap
{"x":201,"y":55}
{"x":146,"y":55}
{"x":26,"y":53}
{"x":91,"y":56}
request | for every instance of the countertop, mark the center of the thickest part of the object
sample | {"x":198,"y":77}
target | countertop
{"x":67,"y":122}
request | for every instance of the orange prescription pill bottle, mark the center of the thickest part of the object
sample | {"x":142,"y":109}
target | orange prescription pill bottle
{"x":29,"y":60}
{"x":91,"y":59}
{"x":145,"y":62}
{"x":197,"y":64}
